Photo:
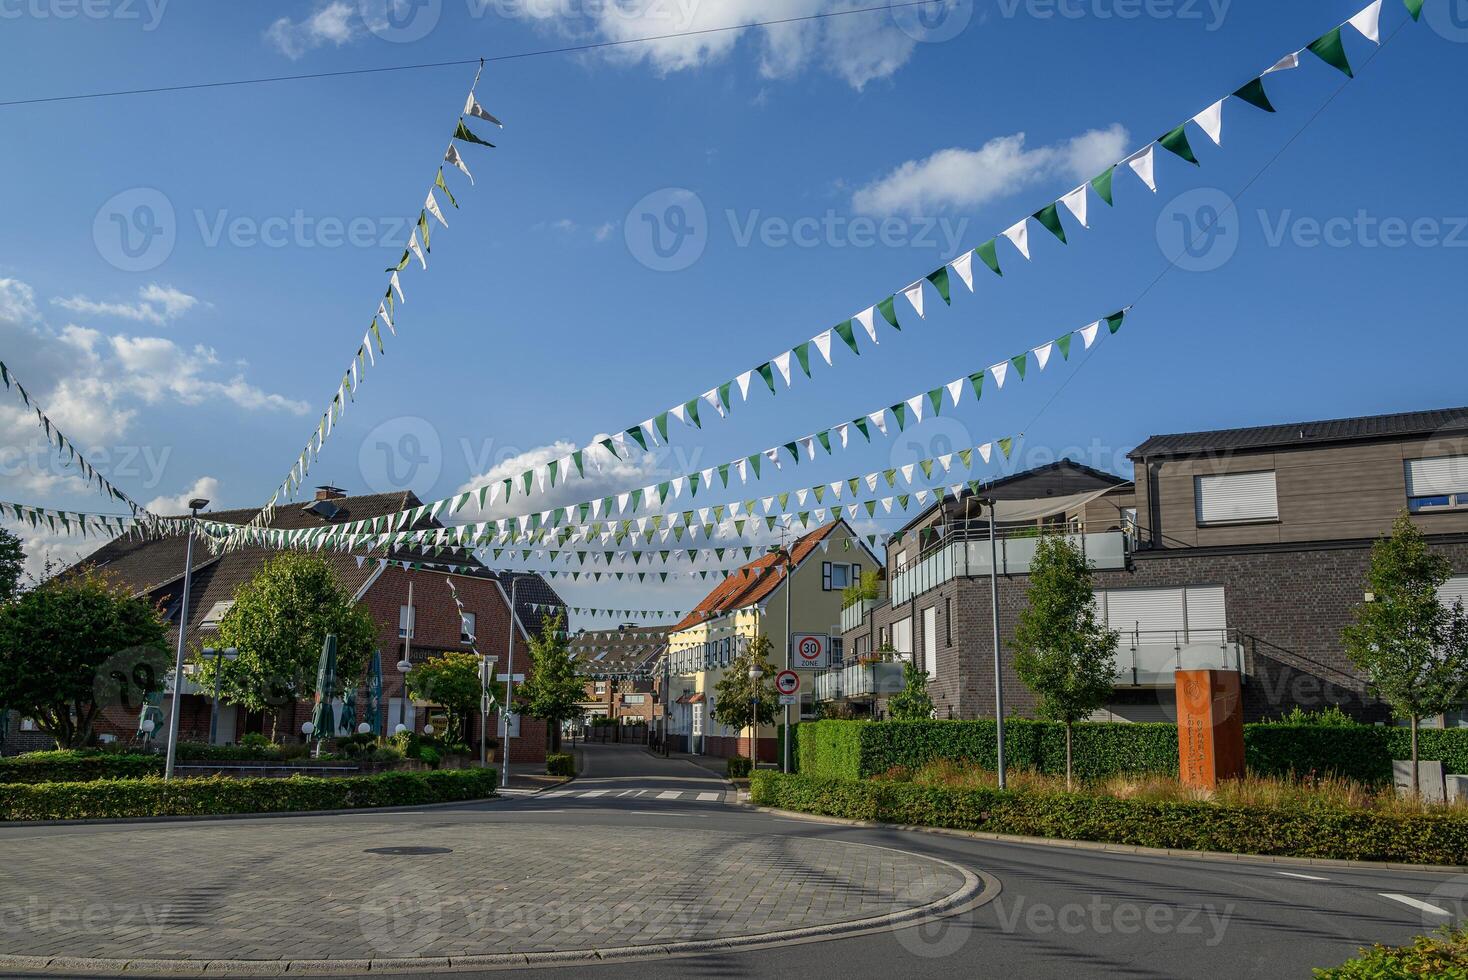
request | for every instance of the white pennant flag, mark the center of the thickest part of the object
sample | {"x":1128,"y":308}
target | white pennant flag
{"x":739,"y":467}
{"x":1141,"y":163}
{"x":452,"y":156}
{"x":914,"y":294}
{"x":916,"y":404}
{"x":836,"y":489}
{"x":946,"y":461}
{"x":809,"y":445}
{"x":743,"y":382}
{"x":1000,"y":371}
{"x":1019,"y":234}
{"x":677,"y":412}
{"x":773,"y":455}
{"x":651,"y":432}
{"x":712,"y":397}
{"x":800,"y":496}
{"x":416,"y":249}
{"x":1368,"y":22}
{"x":964,"y":266}
{"x":1042,"y":354}
{"x":955,"y":391}
{"x":907,"y":473}
{"x":1284,"y":64}
{"x":677,"y":487}
{"x":431,"y":206}
{"x":984,"y":451}
{"x":865,"y":319}
{"x":767,"y":503}
{"x":473,"y":108}
{"x":382,"y":315}
{"x":367,"y":346}
{"x":1088,"y":333}
{"x":887,"y":504}
{"x":871,"y":481}
{"x":922,"y":497}
{"x":398,"y":286}
{"x":783,"y":364}
{"x":841,"y":432}
{"x":823,"y":344}
{"x":880,"y":420}
{"x":1075,"y":203}
{"x":1210,"y":120}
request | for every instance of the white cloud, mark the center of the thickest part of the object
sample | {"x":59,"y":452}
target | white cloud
{"x":205,"y":486}
{"x":42,"y":546}
{"x":574,"y":230}
{"x":156,"y":304}
{"x":155,"y":368}
{"x":605,"y":474}
{"x":17,"y":301}
{"x":335,"y":23}
{"x":963,"y":178}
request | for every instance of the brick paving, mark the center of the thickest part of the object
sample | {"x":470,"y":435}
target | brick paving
{"x":287,"y":889}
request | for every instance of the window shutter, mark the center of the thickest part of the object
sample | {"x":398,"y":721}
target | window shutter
{"x":826,"y":576}
{"x":1228,"y":497}
{"x":1437,"y":476}
{"x":1148,"y":610}
{"x":1205,"y":608}
{"x":930,"y":641}
{"x":1454,"y":589}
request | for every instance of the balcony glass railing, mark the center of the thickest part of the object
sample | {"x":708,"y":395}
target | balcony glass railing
{"x":1011,"y":553}
{"x":1152,"y":658}
{"x":859,"y":681}
{"x":853,"y":615}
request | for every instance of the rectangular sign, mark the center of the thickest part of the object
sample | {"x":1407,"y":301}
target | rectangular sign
{"x":810,"y":651}
{"x":790,"y":699}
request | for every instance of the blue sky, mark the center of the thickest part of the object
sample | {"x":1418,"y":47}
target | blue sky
{"x":539,"y":321}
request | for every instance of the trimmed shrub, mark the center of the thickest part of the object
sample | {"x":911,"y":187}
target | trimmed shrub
{"x":78,"y":765}
{"x":1315,"y":832}
{"x":254,"y":750}
{"x":739,"y":767}
{"x":1443,"y":956}
{"x":560,"y":764}
{"x":215,"y":795}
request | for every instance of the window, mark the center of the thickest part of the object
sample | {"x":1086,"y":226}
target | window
{"x":1439,"y":483}
{"x":899,"y":559}
{"x":215,"y":614}
{"x":466,"y":627}
{"x":29,"y":725}
{"x":930,"y":640}
{"x":902,"y":636}
{"x":838,"y":575}
{"x":1236,"y":498}
{"x":601,"y":687}
{"x":948,"y":622}
{"x":406,"y":621}
{"x":838,"y":657}
{"x":634,"y":698}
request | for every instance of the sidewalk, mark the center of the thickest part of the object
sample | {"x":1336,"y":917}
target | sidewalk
{"x":715,"y":765}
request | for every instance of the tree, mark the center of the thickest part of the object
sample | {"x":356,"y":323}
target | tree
{"x":912,"y":703}
{"x":552,"y":690}
{"x":739,"y":694}
{"x":1061,"y":652}
{"x":278,"y":622}
{"x":452,"y":680}
{"x":1412,"y":648}
{"x":75,"y":645}
{"x":12,"y":564}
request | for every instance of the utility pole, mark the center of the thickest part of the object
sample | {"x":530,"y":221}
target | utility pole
{"x":195,"y":506}
{"x":509,"y":680}
{"x":998,"y":667}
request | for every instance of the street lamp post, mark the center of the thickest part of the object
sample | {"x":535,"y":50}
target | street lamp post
{"x":228,"y":653}
{"x":998,"y":667}
{"x":509,"y":681}
{"x":754,"y":675}
{"x":195,"y":505}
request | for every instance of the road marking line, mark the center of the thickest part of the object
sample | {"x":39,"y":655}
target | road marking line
{"x":709,"y":797}
{"x":592,"y":793}
{"x":670,"y":794}
{"x":1292,"y":874}
{"x":1414,"y":903}
{"x":559,"y":792}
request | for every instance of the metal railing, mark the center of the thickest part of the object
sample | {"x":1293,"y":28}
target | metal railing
{"x":859,"y":680}
{"x":1151,"y":658}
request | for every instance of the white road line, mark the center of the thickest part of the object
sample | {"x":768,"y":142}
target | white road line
{"x":709,"y":797}
{"x":593,"y":793}
{"x":559,"y":792}
{"x":1421,"y":906}
{"x":1292,"y":874}
{"x":670,"y":794}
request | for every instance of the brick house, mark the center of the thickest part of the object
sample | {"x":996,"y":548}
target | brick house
{"x":1239,"y":549}
{"x":621,"y":671}
{"x":154,"y":568}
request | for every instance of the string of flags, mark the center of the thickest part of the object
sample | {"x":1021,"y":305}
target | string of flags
{"x":386,"y":315}
{"x":1141,"y":163}
{"x":75,"y":522}
{"x":65,"y":446}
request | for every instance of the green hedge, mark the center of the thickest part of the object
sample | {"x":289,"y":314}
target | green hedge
{"x":78,"y":765}
{"x":202,"y":797}
{"x":1316,"y":832}
{"x":1364,"y":753}
{"x":560,"y":764}
{"x":1443,"y":956}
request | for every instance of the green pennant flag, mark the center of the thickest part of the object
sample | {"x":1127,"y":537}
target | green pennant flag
{"x":724,"y":394}
{"x":853,"y":483}
{"x":463,"y":133}
{"x":824,"y":438}
{"x":1113,"y":322}
{"x":754,"y":463}
{"x":899,"y":411}
{"x":768,"y":373}
{"x":691,"y":410}
{"x":636,"y":433}
{"x":635,"y":501}
{"x":443,"y":186}
{"x":1050,"y":218}
{"x":939,"y":278}
{"x":990,"y":255}
{"x":660,"y":422}
{"x":423,"y":230}
{"x":1019,"y":361}
{"x":1414,"y":7}
{"x":784,"y":500}
{"x":1005,"y":445}
{"x":402,"y":262}
{"x":1102,"y":183}
{"x":1328,"y":48}
{"x":1177,"y":142}
{"x":890,"y":476}
{"x":902,"y":499}
{"x":553,"y":467}
{"x":724,"y":474}
{"x":976,"y":381}
{"x":1064,"y":344}
{"x":802,"y":354}
{"x":820,"y":493}
{"x":871,"y":507}
{"x":794,"y":451}
{"x":693,"y":484}
{"x":965,"y":456}
{"x":610,"y":447}
{"x":576,"y":458}
{"x":888,"y":309}
{"x":843,"y":329}
{"x":926,"y":465}
{"x":377,"y":336}
{"x":1253,"y":93}
{"x":861,"y":426}
{"x":936,"y":398}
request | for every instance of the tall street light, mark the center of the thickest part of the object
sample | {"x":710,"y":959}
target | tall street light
{"x":195,"y":505}
{"x":509,"y":679}
{"x":994,"y":619}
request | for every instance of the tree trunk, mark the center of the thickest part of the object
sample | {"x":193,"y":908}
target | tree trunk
{"x":1416,"y":786}
{"x":1067,"y":758}
{"x":553,"y":732}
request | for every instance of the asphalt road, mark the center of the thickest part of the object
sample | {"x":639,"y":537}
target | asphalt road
{"x":1060,"y":912}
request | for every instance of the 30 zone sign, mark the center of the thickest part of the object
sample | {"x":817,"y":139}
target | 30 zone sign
{"x":809,"y":650}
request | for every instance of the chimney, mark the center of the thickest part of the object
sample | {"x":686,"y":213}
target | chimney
{"x":330,"y":493}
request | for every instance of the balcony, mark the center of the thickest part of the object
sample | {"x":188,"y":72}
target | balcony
{"x":1014,"y":550}
{"x":1152,"y":658}
{"x":859,"y":681}
{"x":854,"y":615}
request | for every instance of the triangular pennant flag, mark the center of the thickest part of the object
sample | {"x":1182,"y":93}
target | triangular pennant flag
{"x":1176,"y":141}
{"x":1042,"y":354}
{"x":1075,"y":203}
{"x":1019,"y":234}
{"x":990,"y":255}
{"x":888,"y":309}
{"x":452,"y":156}
{"x":844,"y":331}
{"x":823,"y":345}
{"x":463,"y":133}
{"x":1064,"y":344}
{"x":1368,"y":22}
{"x":1329,"y":49}
{"x":865,"y":318}
{"x":914,"y":294}
{"x":802,"y":354}
{"x":1142,"y":163}
{"x":1113,"y":322}
{"x":1414,"y":7}
{"x":442,"y":185}
{"x":1253,"y":93}
{"x":964,"y":266}
{"x":782,"y":363}
{"x":1088,"y":333}
{"x":939,"y":278}
{"x":473,"y":108}
{"x":431,"y":206}
{"x":1019,"y":361}
{"x":1210,"y":120}
{"x":1289,"y":62}
{"x":766,"y":372}
{"x":415,"y":249}
{"x":1000,"y":371}
{"x":1102,"y":183}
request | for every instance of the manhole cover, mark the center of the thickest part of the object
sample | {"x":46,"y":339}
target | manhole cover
{"x":409,"y":850}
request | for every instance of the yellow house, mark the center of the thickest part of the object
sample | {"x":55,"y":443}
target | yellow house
{"x":753,"y":601}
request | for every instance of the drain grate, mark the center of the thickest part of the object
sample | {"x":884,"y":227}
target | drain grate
{"x":408,"y":850}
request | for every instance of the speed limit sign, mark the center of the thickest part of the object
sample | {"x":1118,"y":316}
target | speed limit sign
{"x":810,"y":650}
{"x":787,"y":682}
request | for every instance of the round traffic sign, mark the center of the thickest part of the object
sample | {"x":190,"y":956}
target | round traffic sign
{"x":787,"y":682}
{"x":810,"y":649}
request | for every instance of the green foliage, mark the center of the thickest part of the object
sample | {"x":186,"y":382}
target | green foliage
{"x":1313,"y":832}
{"x":260,"y":749}
{"x":254,"y":740}
{"x":1331,"y":716}
{"x":12,"y":564}
{"x":738,"y":766}
{"x":1443,"y":956}
{"x":78,"y":765}
{"x":74,"y":645}
{"x":429,"y":756}
{"x":278,"y":622}
{"x":912,"y":703}
{"x":552,"y":690}
{"x":737,"y":691}
{"x":452,"y":680}
{"x":216,"y":795}
{"x":831,"y":748}
{"x":560,"y":764}
{"x":864,"y":589}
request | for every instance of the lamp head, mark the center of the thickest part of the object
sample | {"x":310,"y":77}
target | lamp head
{"x":198,"y":503}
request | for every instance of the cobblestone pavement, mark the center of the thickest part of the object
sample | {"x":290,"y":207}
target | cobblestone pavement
{"x":317,"y":889}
